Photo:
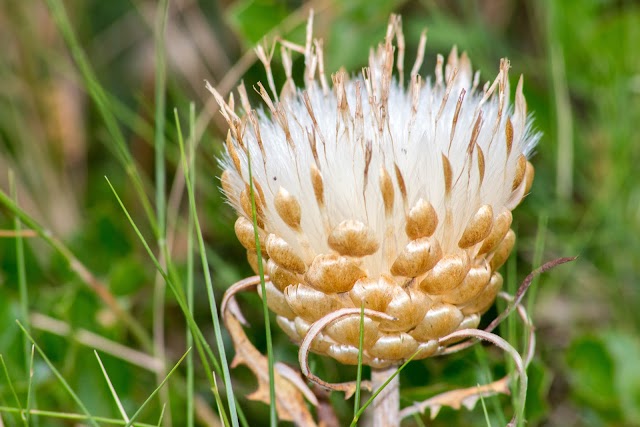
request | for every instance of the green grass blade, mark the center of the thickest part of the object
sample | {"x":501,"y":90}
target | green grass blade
{"x":112,"y":389}
{"x":71,"y":416}
{"x":22,"y":289}
{"x":201,"y":343}
{"x":189,"y":282}
{"x":207,"y":275}
{"x":22,"y":272}
{"x":379,"y":390}
{"x":164,"y":406}
{"x":60,"y":378}
{"x":159,"y":289}
{"x":30,"y":384}
{"x":152,"y":395}
{"x":273,"y":416}
{"x":484,"y":410}
{"x":23,"y":415}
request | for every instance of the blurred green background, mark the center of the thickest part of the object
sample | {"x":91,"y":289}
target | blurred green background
{"x":582,"y":81}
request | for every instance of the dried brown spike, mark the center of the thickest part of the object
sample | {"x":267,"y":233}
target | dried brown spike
{"x":368,"y":152}
{"x":394,"y":347}
{"x":245,"y":233}
{"x":333,"y":273}
{"x":386,"y":188}
{"x":284,"y":255}
{"x":288,"y":208}
{"x":448,"y":174}
{"x":500,"y":227}
{"x":418,"y":257}
{"x":478,"y":227}
{"x":519,"y":174}
{"x":447,"y":274}
{"x":420,"y":56}
{"x":475,"y":133}
{"x":456,"y":114}
{"x":421,"y":221}
{"x":353,"y":238}
{"x":439,"y":321}
{"x":508,"y":133}
{"x":318,"y":185}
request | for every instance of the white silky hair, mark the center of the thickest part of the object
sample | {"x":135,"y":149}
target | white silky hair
{"x":407,"y":135}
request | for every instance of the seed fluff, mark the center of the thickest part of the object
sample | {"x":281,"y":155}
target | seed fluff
{"x":373,"y":192}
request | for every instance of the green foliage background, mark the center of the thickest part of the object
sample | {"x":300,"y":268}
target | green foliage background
{"x":582,"y":79}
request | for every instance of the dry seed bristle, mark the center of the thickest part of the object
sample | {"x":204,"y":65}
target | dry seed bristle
{"x":422,"y":44}
{"x":266,"y":58}
{"x":456,"y":115}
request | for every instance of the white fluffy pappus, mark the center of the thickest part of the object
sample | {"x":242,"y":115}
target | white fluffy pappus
{"x":360,"y":154}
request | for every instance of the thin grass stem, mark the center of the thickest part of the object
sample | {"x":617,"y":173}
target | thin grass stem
{"x":23,"y":292}
{"x":23,"y":415}
{"x":190,"y":272}
{"x":151,"y":396}
{"x":159,"y":290}
{"x":273,"y":416}
{"x":112,"y":389}
{"x":207,"y":276}
{"x":71,"y":416}
{"x":203,"y":347}
{"x":59,"y":376}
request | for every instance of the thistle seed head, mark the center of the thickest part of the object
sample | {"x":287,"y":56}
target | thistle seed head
{"x":376,"y":193}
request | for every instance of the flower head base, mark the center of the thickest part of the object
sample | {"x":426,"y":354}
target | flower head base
{"x":373,"y":194}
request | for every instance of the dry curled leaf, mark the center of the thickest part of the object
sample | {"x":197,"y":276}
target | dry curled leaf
{"x":455,"y":399}
{"x":291,"y":389}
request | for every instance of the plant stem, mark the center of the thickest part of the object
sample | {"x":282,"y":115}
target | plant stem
{"x":386,"y":406}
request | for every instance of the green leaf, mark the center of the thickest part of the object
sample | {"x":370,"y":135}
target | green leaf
{"x":255,"y":18}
